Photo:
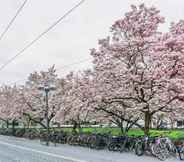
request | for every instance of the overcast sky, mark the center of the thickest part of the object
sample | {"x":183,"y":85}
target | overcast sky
{"x":69,"y":42}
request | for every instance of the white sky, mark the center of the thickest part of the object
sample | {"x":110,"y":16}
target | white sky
{"x":69,"y":41}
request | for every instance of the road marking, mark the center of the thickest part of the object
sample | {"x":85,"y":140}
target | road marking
{"x":43,"y":152}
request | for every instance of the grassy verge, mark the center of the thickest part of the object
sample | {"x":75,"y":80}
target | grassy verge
{"x":173,"y":134}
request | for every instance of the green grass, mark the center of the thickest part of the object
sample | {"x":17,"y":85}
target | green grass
{"x":173,"y":134}
{"x":107,"y":130}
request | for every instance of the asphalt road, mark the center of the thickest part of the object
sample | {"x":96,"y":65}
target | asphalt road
{"x":22,"y":150}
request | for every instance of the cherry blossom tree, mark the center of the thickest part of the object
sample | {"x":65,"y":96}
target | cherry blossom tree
{"x":11,"y":108}
{"x":76,"y":100}
{"x":127,"y":68}
{"x":34,"y":99}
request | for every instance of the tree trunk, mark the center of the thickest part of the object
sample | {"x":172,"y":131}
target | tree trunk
{"x":172,"y":123}
{"x":7,"y":124}
{"x":74,"y":127}
{"x":121,"y":126}
{"x":79,"y":127}
{"x":28,"y":123}
{"x":13,"y":127}
{"x":123,"y":131}
{"x":147,"y":121}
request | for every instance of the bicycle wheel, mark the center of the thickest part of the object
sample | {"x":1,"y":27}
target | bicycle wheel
{"x":139,"y":149}
{"x":69,"y":140}
{"x":159,"y":152}
{"x":114,"y":147}
{"x":131,"y":146}
{"x":162,"y":156}
{"x":111,"y":147}
{"x":92,"y":142}
{"x":124,"y":147}
{"x":155,"y":149}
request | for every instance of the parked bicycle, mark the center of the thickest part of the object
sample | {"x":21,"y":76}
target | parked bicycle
{"x":152,"y":145}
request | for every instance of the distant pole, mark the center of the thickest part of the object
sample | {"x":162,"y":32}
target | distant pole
{"x":47,"y":116}
{"x":47,"y":89}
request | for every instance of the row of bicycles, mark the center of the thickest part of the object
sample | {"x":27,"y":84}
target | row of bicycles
{"x":160,"y":147}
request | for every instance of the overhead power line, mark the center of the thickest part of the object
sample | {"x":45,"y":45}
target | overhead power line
{"x":12,"y":20}
{"x":57,"y":69}
{"x":74,"y":63}
{"x":41,"y":35}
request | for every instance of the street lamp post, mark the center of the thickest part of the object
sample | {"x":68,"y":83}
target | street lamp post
{"x":47,"y":89}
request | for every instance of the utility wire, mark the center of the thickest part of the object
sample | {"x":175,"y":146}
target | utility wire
{"x":58,"y":69}
{"x":74,"y":63}
{"x":41,"y":35}
{"x":12,"y":20}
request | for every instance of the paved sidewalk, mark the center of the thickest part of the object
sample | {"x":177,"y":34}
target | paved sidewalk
{"x":22,"y":150}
